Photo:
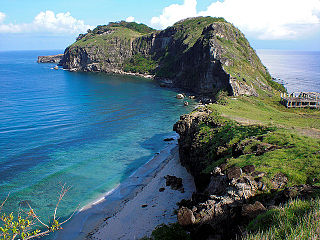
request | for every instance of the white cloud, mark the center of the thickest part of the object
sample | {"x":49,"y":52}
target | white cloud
{"x":130,"y":19}
{"x":174,"y":13}
{"x":47,"y":22}
{"x":2,"y":17}
{"x":266,"y":19}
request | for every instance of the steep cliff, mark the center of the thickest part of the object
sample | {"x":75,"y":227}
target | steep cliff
{"x":202,"y":55}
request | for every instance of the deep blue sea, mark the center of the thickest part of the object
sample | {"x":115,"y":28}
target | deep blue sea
{"x":297,"y":70}
{"x":90,"y":130}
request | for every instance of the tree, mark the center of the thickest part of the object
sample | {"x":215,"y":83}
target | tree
{"x":27,"y":223}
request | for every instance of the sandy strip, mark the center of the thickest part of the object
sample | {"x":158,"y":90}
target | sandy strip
{"x":125,"y":201}
{"x":135,"y":221}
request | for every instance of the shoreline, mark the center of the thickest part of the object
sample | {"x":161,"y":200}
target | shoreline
{"x":92,"y":217}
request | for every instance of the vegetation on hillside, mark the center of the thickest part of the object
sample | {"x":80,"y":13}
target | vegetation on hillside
{"x":298,"y":219}
{"x":140,"y":64}
{"x":138,"y":27}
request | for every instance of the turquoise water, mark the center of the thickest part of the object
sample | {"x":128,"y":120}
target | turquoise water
{"x":87,"y":130}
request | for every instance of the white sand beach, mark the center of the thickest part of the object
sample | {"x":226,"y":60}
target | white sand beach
{"x":135,"y":221}
{"x":136,"y":206}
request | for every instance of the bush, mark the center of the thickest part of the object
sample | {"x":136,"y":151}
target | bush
{"x":25,"y":225}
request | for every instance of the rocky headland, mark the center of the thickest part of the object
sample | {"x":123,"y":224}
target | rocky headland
{"x":50,"y":59}
{"x":202,"y":55}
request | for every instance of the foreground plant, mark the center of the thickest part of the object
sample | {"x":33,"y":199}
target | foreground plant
{"x":26,"y":224}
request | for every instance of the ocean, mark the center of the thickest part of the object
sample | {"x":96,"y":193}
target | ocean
{"x":91,"y":131}
{"x":298,"y":71}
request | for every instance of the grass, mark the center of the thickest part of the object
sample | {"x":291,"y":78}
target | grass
{"x":297,"y":157}
{"x":268,"y":111}
{"x":267,"y":124}
{"x":169,"y":232}
{"x":298,"y":219}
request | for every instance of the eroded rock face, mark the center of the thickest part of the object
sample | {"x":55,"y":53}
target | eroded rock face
{"x":222,"y":199}
{"x":200,"y":55}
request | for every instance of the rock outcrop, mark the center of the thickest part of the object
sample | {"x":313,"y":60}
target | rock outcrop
{"x":50,"y":59}
{"x":201,"y":55}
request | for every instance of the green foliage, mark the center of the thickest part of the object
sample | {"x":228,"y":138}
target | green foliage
{"x":169,"y":232}
{"x":275,"y":85}
{"x":140,"y":64}
{"x":26,"y":224}
{"x":298,"y":219}
{"x":218,"y":136}
{"x":138,"y":27}
{"x":19,"y":227}
{"x":293,"y":154}
{"x":268,"y":111}
{"x":221,"y":97}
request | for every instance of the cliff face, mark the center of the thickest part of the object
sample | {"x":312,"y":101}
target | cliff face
{"x":202,"y":55}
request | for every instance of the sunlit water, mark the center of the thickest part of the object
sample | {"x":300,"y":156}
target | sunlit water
{"x":297,"y":70}
{"x":88,"y":130}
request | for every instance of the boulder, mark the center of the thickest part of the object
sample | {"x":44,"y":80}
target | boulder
{"x":248,"y":169}
{"x":234,"y":172}
{"x":252,"y":210}
{"x":186,"y":103}
{"x":180,"y":96}
{"x":174,"y":182}
{"x":217,"y":185}
{"x":185,"y":217}
{"x":280,"y":180}
{"x":168,"y":139}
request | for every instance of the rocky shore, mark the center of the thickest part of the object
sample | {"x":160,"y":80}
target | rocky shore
{"x":228,"y":197}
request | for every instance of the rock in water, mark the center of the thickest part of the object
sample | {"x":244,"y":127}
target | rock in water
{"x":50,"y":59}
{"x":180,"y":96}
{"x":174,"y":182}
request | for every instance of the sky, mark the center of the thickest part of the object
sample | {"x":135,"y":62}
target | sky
{"x":268,"y":24}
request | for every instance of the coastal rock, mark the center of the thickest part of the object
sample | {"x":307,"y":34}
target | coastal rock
{"x":174,"y":182}
{"x":50,"y":59}
{"x":185,"y":217}
{"x":168,"y":139}
{"x":234,"y":172}
{"x":179,"y":96}
{"x":252,"y":210}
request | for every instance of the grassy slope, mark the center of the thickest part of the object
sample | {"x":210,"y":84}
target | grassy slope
{"x":298,"y":157}
{"x":298,"y":219}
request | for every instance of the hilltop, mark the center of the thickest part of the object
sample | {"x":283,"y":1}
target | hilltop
{"x":202,"y":55}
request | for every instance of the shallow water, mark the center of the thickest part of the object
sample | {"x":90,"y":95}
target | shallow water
{"x":88,"y":130}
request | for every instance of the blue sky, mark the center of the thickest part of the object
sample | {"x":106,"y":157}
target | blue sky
{"x":268,"y":24}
